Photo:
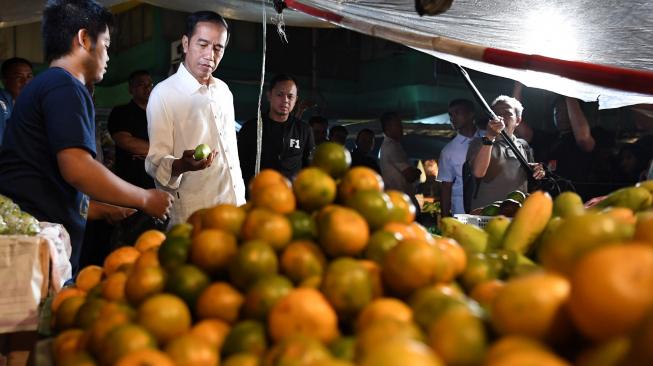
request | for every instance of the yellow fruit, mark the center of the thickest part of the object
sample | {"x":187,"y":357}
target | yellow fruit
{"x":314,"y":189}
{"x":543,"y":294}
{"x":214,"y":331}
{"x":342,"y":231}
{"x":149,"y":239}
{"x":458,"y":337}
{"x":635,"y":198}
{"x":212,"y":250}
{"x":188,"y":350}
{"x":165,"y":316}
{"x":568,"y":204}
{"x":145,"y":357}
{"x":303,"y":311}
{"x":381,"y":309}
{"x":219,"y":301}
{"x":472,"y":238}
{"x":612,"y":290}
{"x":88,"y":277}
{"x":120,"y":257}
{"x":149,"y":258}
{"x":224,"y":217}
{"x":529,"y":222}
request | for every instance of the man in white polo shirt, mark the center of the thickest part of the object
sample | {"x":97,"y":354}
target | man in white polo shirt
{"x":190,"y":108}
{"x":452,"y":156}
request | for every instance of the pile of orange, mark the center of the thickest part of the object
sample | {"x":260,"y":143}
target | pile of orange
{"x":332,"y":269}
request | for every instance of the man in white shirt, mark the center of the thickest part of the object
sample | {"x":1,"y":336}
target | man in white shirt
{"x":453,"y":155}
{"x":397,"y":171}
{"x":190,"y":108}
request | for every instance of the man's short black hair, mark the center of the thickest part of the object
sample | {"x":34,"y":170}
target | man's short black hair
{"x":318,"y":120}
{"x":364,"y":131}
{"x":279,"y":78}
{"x":136,"y":74}
{"x":205,"y":16}
{"x":388,"y":117}
{"x":338,"y":129}
{"x":62,"y":19}
{"x":11,"y":62}
{"x":466,"y":103}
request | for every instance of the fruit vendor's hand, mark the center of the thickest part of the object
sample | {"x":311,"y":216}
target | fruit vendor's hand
{"x":188,"y":163}
{"x":157,"y":203}
{"x":538,"y":170}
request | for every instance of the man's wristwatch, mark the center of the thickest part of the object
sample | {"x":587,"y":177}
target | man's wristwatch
{"x":487,"y":141}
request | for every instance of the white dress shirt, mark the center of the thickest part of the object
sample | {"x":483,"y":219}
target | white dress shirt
{"x":181,"y":114}
{"x":393,"y":161}
{"x":450,"y":168}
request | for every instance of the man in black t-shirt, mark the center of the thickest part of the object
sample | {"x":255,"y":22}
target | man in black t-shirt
{"x":287,"y":141}
{"x":128,"y":128}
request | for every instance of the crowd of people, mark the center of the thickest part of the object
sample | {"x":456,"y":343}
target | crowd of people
{"x":48,"y":151}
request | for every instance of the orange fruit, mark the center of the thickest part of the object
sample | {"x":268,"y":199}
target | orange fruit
{"x":143,"y":283}
{"x":342,"y":231}
{"x":247,"y":336}
{"x":241,"y":359}
{"x":302,"y":259}
{"x":219,"y":301}
{"x":332,"y":158}
{"x":383,"y":308}
{"x":181,"y":230}
{"x":89,"y":312}
{"x":543,"y":294}
{"x":401,"y":352}
{"x":214,"y":331}
{"x":485,"y":292}
{"x":644,"y":228}
{"x":314,"y":189}
{"x":303,"y":311}
{"x":480,"y":267}
{"x":412,"y":264}
{"x":105,"y":324}
{"x":374,"y":270}
{"x":189,"y":350}
{"x":146,"y":357}
{"x":264,"y":294}
{"x":113,"y":288}
{"x":516,"y":350}
{"x":303,"y":226}
{"x":89,"y":277}
{"x":373,"y":205}
{"x":277,"y":197}
{"x":269,"y":226}
{"x":212,"y":250}
{"x":187,"y":282}
{"x":456,"y":259}
{"x":122,"y":340}
{"x":225,"y":217}
{"x":298,"y":350}
{"x":195,"y":220}
{"x":612,"y":289}
{"x":429,"y":302}
{"x":608,"y":353}
{"x":67,"y":342}
{"x":255,"y":259}
{"x":344,"y":349}
{"x":78,"y":358}
{"x":403,"y":209}
{"x":408,"y":231}
{"x":264,"y":178}
{"x":458,"y":337}
{"x":640,"y":352}
{"x":173,"y":252}
{"x":149,"y":258}
{"x":149,"y":239}
{"x":380,"y":242}
{"x":63,"y":295}
{"x":347,"y":286}
{"x":359,"y":178}
{"x":120,"y":257}
{"x":165,"y":316}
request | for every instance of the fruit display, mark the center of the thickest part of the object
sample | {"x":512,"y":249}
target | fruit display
{"x":507,"y":207}
{"x":13,"y":221}
{"x":333,"y":270}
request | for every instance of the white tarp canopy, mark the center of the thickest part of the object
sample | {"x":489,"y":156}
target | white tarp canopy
{"x":612,"y":33}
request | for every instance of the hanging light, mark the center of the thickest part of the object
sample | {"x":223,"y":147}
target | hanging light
{"x":432,"y":7}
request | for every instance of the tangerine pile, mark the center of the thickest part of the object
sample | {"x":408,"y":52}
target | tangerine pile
{"x":333,"y":270}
